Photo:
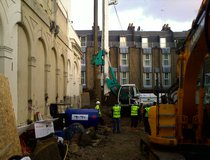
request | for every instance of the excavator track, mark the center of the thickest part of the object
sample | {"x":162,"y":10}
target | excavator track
{"x":151,"y":151}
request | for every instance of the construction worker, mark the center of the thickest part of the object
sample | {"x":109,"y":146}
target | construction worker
{"x":134,"y":114}
{"x":146,"y":122}
{"x":116,"y":113}
{"x":98,"y":107}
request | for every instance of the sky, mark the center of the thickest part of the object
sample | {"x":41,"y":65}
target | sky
{"x":150,"y":15}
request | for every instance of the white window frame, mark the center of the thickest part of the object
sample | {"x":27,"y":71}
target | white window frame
{"x":162,"y":42}
{"x":83,"y":78}
{"x":145,"y":43}
{"x":124,"y":59}
{"x":83,"y":40}
{"x":83,"y":60}
{"x":147,"y":60}
{"x":123,"y":78}
{"x":123,"y":42}
{"x":166,"y":78}
{"x":147,"y":77}
{"x":166,"y":60}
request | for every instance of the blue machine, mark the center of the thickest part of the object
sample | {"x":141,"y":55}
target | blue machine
{"x":86,"y":117}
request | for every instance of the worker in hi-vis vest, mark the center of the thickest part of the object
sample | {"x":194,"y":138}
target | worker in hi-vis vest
{"x":146,"y":121}
{"x":98,"y":107}
{"x":116,"y":114}
{"x":134,"y":115}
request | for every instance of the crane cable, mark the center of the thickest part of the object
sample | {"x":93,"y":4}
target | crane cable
{"x":118,"y":18}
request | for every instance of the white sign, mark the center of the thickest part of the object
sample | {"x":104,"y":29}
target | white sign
{"x":80,"y":117}
{"x":43,"y":129}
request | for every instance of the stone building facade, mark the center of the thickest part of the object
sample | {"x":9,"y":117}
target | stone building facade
{"x":140,"y":57}
{"x":40,"y":55}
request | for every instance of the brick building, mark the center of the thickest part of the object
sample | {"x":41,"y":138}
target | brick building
{"x":137,"y":57}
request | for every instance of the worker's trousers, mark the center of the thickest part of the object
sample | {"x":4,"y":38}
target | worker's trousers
{"x":134,"y":121}
{"x":146,"y":125}
{"x":116,"y":125}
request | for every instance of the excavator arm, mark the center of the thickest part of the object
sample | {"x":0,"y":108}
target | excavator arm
{"x":183,"y":122}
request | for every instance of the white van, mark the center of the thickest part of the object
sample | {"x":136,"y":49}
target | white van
{"x":147,"y":98}
{"x":128,"y":94}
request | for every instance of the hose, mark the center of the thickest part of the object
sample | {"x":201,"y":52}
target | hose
{"x":67,"y":150}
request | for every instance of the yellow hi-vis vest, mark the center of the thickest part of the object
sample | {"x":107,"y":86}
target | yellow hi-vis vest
{"x":134,"y":110}
{"x":99,"y":111}
{"x":147,"y":111}
{"x":116,"y":111}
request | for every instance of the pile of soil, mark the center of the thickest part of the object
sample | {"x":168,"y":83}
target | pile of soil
{"x":111,"y":146}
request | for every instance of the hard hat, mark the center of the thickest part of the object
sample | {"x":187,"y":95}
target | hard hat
{"x":97,"y":102}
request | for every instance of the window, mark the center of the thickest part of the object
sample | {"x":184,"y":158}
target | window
{"x":147,"y":50}
{"x":83,"y":61}
{"x":124,"y":59}
{"x":123,"y":42}
{"x":83,"y":79}
{"x":83,"y":41}
{"x":123,"y":50}
{"x":147,"y":60}
{"x":145,"y":43}
{"x":147,"y":79}
{"x":162,"y":42}
{"x":166,"y":60}
{"x":124,"y":77}
{"x":166,"y":79}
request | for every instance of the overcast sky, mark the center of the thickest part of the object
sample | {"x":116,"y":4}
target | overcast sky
{"x":150,"y":15}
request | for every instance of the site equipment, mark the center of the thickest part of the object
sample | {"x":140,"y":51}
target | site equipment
{"x":102,"y":59}
{"x":128,"y":94}
{"x":186,"y":123}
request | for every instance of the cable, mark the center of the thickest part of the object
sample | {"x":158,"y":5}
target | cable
{"x":118,"y":18}
{"x":67,"y":150}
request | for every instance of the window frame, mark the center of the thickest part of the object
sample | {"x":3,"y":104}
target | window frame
{"x":166,"y":78}
{"x":162,"y":42}
{"x":147,"y":60}
{"x":164,"y":60}
{"x":83,"y":78}
{"x":124,"y":60}
{"x":83,"y":42}
{"x":123,"y":78}
{"x":144,"y":43}
{"x":147,"y":77}
{"x":123,"y":42}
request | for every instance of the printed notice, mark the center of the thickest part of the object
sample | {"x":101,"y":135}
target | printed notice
{"x":79,"y":117}
{"x":43,"y":129}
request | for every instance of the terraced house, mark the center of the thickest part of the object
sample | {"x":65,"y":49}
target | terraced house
{"x":140,"y":57}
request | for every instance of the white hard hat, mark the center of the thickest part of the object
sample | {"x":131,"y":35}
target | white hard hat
{"x":97,"y":102}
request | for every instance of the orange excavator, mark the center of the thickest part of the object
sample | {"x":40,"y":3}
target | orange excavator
{"x":185,"y":123}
